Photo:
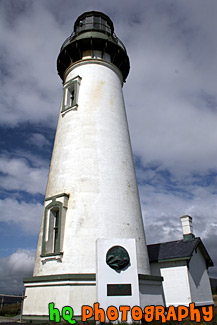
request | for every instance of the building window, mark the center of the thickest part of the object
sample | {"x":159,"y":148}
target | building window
{"x":70,"y":94}
{"x":53,"y":227}
{"x":87,"y":54}
{"x":53,"y":230}
{"x":107,"y":57}
{"x":95,"y":54}
{"x":70,"y":98}
{"x":56,"y":232}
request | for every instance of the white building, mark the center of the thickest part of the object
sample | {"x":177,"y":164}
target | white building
{"x":91,"y":202}
{"x":184,"y":266}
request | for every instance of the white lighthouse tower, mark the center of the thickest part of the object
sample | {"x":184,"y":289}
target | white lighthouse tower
{"x":92,"y":222}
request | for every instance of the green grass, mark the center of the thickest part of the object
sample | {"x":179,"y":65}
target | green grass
{"x":10,"y":310}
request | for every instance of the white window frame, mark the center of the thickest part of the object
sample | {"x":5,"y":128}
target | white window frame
{"x":70,"y":94}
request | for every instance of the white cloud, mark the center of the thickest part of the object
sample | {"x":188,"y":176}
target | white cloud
{"x":164,"y":202}
{"x":31,"y":89}
{"x":19,"y":175}
{"x":177,"y":135}
{"x":13,"y":268}
{"x":25,"y":215}
{"x":22,"y":260}
{"x":169,"y":88}
{"x":38,"y":140}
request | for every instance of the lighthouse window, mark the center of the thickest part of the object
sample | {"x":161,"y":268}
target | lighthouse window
{"x":96,"y":22}
{"x":88,"y":22}
{"x":53,"y":225}
{"x":56,"y":230}
{"x":97,"y":54}
{"x":87,"y":54}
{"x":103,"y":24}
{"x":107,"y":57}
{"x":52,"y":229}
{"x":70,"y":99}
{"x":52,"y":235}
{"x":70,"y":94}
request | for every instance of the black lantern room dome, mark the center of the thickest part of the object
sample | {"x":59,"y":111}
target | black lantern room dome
{"x":93,"y":33}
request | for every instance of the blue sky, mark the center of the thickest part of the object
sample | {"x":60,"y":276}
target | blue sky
{"x":171,"y":103}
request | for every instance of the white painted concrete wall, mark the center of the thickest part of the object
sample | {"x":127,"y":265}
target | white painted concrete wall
{"x":106,"y":275}
{"x":183,"y":285}
{"x":176,"y":284}
{"x":199,"y":280}
{"x":62,"y":294}
{"x":151,"y":293}
{"x":92,"y":161}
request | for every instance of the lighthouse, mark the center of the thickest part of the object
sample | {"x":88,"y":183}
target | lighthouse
{"x":91,"y":244}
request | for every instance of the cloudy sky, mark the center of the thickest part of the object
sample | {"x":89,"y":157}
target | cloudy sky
{"x":171,"y":103}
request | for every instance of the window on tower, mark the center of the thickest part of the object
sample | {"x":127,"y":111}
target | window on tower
{"x":70,"y":94}
{"x":56,"y":231}
{"x":95,"y":54}
{"x":53,"y":228}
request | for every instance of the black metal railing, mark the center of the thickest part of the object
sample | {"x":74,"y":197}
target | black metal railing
{"x":74,"y":34}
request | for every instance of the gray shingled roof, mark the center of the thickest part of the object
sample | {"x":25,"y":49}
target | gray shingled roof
{"x":178,"y":249}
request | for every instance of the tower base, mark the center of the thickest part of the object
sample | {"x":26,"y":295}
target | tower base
{"x":76,"y":290}
{"x":116,"y":283}
{"x":63,"y":290}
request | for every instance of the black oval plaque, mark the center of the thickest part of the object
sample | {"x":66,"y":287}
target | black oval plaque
{"x":117,"y":258}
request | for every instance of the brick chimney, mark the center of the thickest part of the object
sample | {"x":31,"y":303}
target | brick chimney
{"x":187,"y":228}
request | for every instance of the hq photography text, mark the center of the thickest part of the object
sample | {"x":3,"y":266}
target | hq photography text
{"x":136,"y":313}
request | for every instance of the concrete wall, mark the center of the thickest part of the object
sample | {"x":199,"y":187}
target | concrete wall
{"x":176,"y":284}
{"x":199,"y":280}
{"x":151,"y":293}
{"x":184,"y":283}
{"x":61,"y":294}
{"x":92,"y":162}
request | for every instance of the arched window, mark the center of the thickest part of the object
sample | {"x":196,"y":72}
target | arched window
{"x":53,"y":230}
{"x":56,"y":230}
{"x":53,"y":226}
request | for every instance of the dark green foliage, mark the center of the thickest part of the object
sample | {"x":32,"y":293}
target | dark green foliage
{"x":10,"y":310}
